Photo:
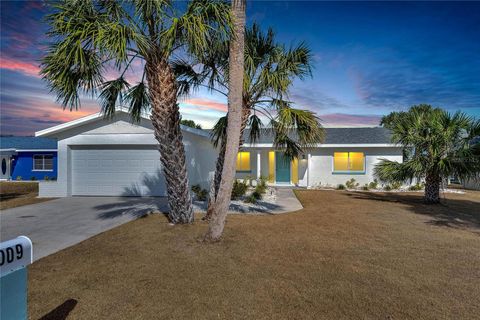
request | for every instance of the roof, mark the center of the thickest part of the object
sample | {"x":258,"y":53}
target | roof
{"x":96,"y":116}
{"x":28,"y":143}
{"x":336,"y":136}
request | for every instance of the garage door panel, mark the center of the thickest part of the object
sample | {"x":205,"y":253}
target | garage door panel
{"x":113,"y":171}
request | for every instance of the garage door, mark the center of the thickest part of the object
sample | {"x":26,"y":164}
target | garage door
{"x":117,"y":171}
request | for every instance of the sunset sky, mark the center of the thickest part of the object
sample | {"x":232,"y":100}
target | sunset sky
{"x":370,"y":58}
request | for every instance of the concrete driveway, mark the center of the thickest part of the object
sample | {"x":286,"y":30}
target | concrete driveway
{"x":61,"y":223}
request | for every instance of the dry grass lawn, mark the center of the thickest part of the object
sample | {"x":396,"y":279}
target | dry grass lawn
{"x":345,"y":256}
{"x":18,"y":193}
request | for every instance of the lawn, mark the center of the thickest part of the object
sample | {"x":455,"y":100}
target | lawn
{"x":346,"y":255}
{"x":15,"y":194}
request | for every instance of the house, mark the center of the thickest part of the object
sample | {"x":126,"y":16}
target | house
{"x":345,"y":154}
{"x":28,"y":158}
{"x":114,"y":157}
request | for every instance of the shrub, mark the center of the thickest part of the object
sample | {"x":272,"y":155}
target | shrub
{"x":250,"y":199}
{"x":46,"y":178}
{"x":373,"y":184}
{"x":33,"y":178}
{"x":200,"y":194}
{"x":351,"y":184}
{"x":416,"y":187}
{"x":239,"y":189}
{"x":365,"y":187}
{"x":387,"y":187}
{"x":260,"y":188}
{"x":19,"y":178}
{"x":396,"y":185}
{"x":257,"y":195}
{"x":340,"y":187}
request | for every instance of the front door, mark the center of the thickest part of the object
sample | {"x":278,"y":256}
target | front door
{"x":282,"y":168}
{"x":4,"y":168}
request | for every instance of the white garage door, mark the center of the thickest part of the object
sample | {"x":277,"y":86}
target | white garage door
{"x":117,"y":171}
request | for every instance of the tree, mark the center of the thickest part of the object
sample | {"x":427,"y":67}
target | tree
{"x":89,"y":36}
{"x":190,"y":123}
{"x":235,"y":89}
{"x":270,"y":71}
{"x":438,"y":144}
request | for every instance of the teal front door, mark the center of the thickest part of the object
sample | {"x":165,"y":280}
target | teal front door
{"x":282,"y":168}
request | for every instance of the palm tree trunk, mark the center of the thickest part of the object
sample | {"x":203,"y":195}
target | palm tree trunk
{"x":432,"y":188}
{"x":235,"y":95}
{"x":220,"y":162}
{"x":166,"y":122}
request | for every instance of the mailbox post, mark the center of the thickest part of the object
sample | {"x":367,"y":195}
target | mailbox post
{"x":15,"y":255}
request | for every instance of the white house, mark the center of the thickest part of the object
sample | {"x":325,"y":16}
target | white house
{"x":101,"y":157}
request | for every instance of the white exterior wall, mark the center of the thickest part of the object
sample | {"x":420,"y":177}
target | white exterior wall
{"x":200,"y":153}
{"x":321,"y":165}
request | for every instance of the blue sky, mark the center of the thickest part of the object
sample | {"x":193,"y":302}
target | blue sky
{"x":370,"y":58}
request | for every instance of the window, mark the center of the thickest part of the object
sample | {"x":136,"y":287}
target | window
{"x":348,"y":162}
{"x":243,"y":161}
{"x":43,"y":162}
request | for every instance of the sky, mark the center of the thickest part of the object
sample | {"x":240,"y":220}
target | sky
{"x":369,"y":59}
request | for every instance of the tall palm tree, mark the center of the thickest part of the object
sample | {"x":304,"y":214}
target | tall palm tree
{"x":88,"y":36}
{"x":270,"y":69}
{"x":235,"y":88}
{"x":438,"y":145}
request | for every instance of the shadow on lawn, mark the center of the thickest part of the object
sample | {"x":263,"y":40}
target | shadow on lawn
{"x":62,"y":311}
{"x":454,"y":213}
{"x":134,"y":206}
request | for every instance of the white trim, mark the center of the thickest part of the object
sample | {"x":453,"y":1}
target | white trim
{"x":43,"y":162}
{"x":99,"y":115}
{"x":350,"y":145}
{"x":37,"y":150}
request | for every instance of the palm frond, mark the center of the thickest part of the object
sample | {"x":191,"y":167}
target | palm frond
{"x":138,"y":101}
{"x":111,"y":93}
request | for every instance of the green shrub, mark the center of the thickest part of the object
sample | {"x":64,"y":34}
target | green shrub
{"x":250,"y":199}
{"x":46,"y":178}
{"x":239,"y":189}
{"x":373,"y":184}
{"x":261,"y":188}
{"x":257,"y":195}
{"x":19,"y":178}
{"x":396,"y":185}
{"x":263,"y":181}
{"x":387,"y":187}
{"x":365,"y":187}
{"x":33,"y":178}
{"x":200,"y":194}
{"x":351,"y":184}
{"x":416,"y":187}
{"x":340,"y":187}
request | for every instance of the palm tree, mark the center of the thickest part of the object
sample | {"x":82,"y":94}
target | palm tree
{"x":270,"y":71}
{"x":438,"y":145}
{"x":235,"y":89}
{"x":89,"y":36}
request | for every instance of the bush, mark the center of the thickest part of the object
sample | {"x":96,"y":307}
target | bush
{"x":257,"y":195}
{"x":200,"y":194}
{"x":396,"y":185}
{"x":373,"y":184}
{"x":341,"y":187}
{"x":19,"y":178}
{"x":46,"y":178}
{"x":387,"y":187}
{"x":261,"y":188}
{"x":33,"y":178}
{"x":416,"y":187}
{"x":351,"y":184}
{"x":250,"y":199}
{"x":365,"y":187}
{"x":239,"y":189}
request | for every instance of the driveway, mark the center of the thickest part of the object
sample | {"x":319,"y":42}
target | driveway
{"x":61,"y":223}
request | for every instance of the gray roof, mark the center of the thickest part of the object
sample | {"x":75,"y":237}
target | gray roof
{"x":372,"y":135}
{"x":27,"y":143}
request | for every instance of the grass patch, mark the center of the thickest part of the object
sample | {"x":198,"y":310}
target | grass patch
{"x":346,"y":255}
{"x":16,"y":194}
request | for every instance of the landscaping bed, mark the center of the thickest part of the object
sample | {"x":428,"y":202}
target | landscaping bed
{"x":346,"y":255}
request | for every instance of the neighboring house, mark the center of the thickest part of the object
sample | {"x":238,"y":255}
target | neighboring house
{"x":113,"y":157}
{"x":28,"y":158}
{"x":472,"y":184}
{"x":345,"y":154}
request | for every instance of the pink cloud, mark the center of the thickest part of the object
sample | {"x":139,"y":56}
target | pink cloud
{"x":207,"y":104}
{"x":27,"y":68}
{"x":349,"y":120}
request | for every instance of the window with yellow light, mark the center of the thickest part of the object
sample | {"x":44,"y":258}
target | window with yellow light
{"x":243,"y":161}
{"x":348,"y":162}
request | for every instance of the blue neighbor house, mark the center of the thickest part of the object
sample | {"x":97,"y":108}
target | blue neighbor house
{"x":28,"y":158}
